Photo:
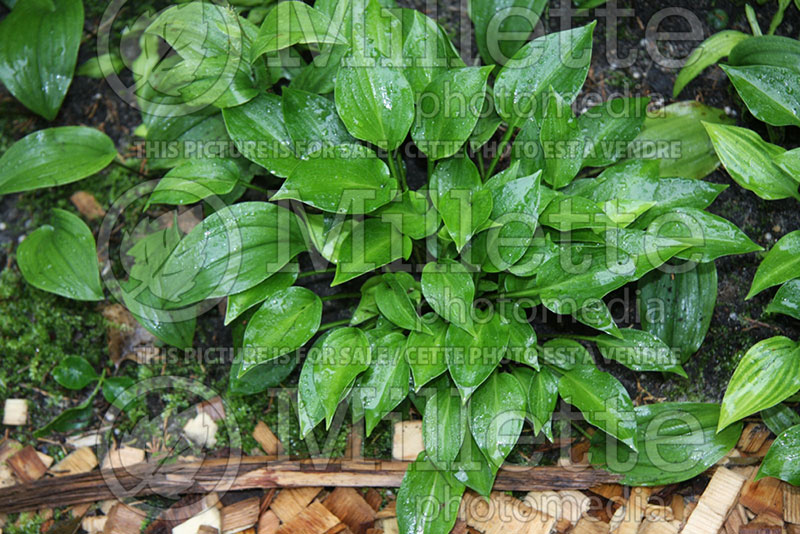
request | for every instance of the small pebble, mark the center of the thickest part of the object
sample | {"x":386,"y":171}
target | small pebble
{"x":733,"y":316}
{"x":3,"y":227}
{"x":776,"y":228}
{"x":768,"y":236}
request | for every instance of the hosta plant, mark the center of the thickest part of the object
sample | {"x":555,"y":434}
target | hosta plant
{"x":330,"y":109}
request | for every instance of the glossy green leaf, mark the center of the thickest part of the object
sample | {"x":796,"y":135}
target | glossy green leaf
{"x":74,"y":372}
{"x":789,"y":161}
{"x":241,"y":302}
{"x":340,"y":358}
{"x":679,"y":128}
{"x":471,"y":359}
{"x":716,"y":47}
{"x":259,"y":132}
{"x":234,"y":249}
{"x":774,"y":50}
{"x":749,"y":161}
{"x":472,"y":469}
{"x":367,"y":307}
{"x":384,"y":384}
{"x":53,"y":157}
{"x":284,"y":323}
{"x":565,"y":354}
{"x":371,"y":244}
{"x":450,"y":290}
{"x":375,"y":103}
{"x":427,"y":503}
{"x":559,"y":60}
{"x":177,"y":127}
{"x":326,"y":231}
{"x":521,"y":339}
{"x":39,"y":43}
{"x":310,"y":410}
{"x":607,"y":128}
{"x":677,"y":307}
{"x":457,"y":193}
{"x":448,"y":109}
{"x":425,"y":352}
{"x":767,"y":374}
{"x":194,"y":180}
{"x":312,"y":121}
{"x":502,"y":26}
{"x":340,"y":179}
{"x":782,"y":263}
{"x":290,"y":23}
{"x":444,"y":425}
{"x":640,"y":351}
{"x":780,"y":418}
{"x":412,"y":214}
{"x":70,"y":419}
{"x":427,"y":51}
{"x":563,"y":142}
{"x":393,"y":297}
{"x":786,"y":300}
{"x":527,"y":148}
{"x":542,"y":397}
{"x":781,"y":459}
{"x":679,"y":442}
{"x":708,"y":236}
{"x":115,"y":386}
{"x":62,"y":258}
{"x":770,"y":93}
{"x":602,"y":400}
{"x":497,"y":413}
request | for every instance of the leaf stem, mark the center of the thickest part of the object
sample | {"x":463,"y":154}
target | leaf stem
{"x":254,"y":187}
{"x":393,"y":171}
{"x":481,"y":165}
{"x":400,"y":167}
{"x":752,"y":20}
{"x":502,"y":148}
{"x":333,"y":324}
{"x":315,"y":273}
{"x":341,"y":296}
{"x":430,"y":167}
{"x":121,"y":165}
{"x":577,"y":427}
{"x":778,"y":17}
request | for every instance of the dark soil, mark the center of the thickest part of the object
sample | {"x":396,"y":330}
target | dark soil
{"x":737,"y":323}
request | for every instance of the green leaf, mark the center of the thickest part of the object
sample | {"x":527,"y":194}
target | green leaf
{"x":412,"y":214}
{"x":427,"y":51}
{"x":640,"y":351}
{"x":781,"y":459}
{"x":371,"y":244}
{"x":425,"y":352}
{"x":115,"y":386}
{"x":259,"y":132}
{"x":607,"y":128}
{"x":457,"y":193}
{"x":53,"y":157}
{"x":241,"y":302}
{"x":517,"y":20}
{"x":472,"y":469}
{"x":782,"y":263}
{"x":708,"y":236}
{"x":74,"y":372}
{"x":749,"y":161}
{"x":284,"y":323}
{"x":340,"y":358}
{"x":177,"y":127}
{"x":542,"y":397}
{"x":786,"y":300}
{"x":426,"y":502}
{"x":393,"y":297}
{"x":680,"y":443}
{"x":559,"y":60}
{"x":194,"y":180}
{"x":527,"y":149}
{"x":61,"y":258}
{"x":774,"y":50}
{"x":789,"y":161}
{"x":310,"y":410}
{"x":384,"y":384}
{"x":261,"y":377}
{"x":367,"y":307}
{"x":602,"y":400}
{"x":769,"y":92}
{"x":39,"y":43}
{"x":780,"y":418}
{"x":173,"y":327}
{"x":521,"y":339}
{"x":706,"y":54}
{"x":376,"y":104}
{"x":471,"y":358}
{"x":562,"y":141}
{"x":448,"y":110}
{"x":767,"y":374}
{"x":679,"y":127}
{"x":677,"y":307}
{"x":290,"y":23}
{"x":234,"y":249}
{"x":340,"y":179}
{"x":450,"y":290}
{"x":497,"y":413}
{"x":444,"y":425}
{"x":312,"y":121}
{"x":70,"y":419}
